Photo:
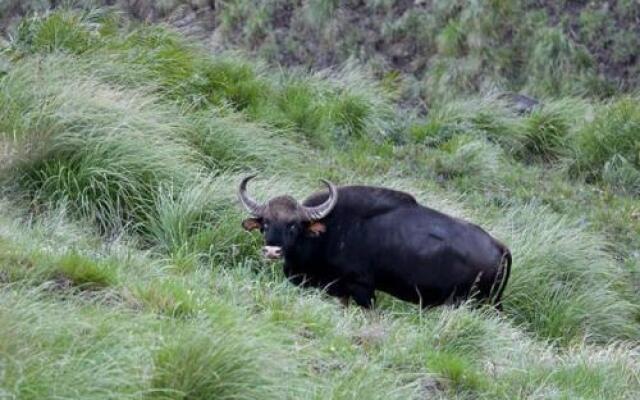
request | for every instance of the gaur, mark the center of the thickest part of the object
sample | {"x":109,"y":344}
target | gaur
{"x":354,"y":240}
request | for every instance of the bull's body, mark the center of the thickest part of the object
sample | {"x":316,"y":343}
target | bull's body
{"x":381,"y":239}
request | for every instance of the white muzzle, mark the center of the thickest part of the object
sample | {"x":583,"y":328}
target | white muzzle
{"x":272,"y":252}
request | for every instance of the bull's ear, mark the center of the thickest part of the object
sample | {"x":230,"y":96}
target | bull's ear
{"x":250,"y":224}
{"x":316,"y":229}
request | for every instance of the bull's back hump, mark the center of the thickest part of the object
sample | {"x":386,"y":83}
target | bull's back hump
{"x":364,"y":201}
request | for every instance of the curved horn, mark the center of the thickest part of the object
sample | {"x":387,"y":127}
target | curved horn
{"x":250,"y":204}
{"x":322,"y":210}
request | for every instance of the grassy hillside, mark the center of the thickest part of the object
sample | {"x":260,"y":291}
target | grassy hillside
{"x":437,"y":49}
{"x":124,"y":272}
{"x":452,"y":47}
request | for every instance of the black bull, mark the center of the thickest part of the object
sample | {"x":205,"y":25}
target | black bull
{"x":353,"y":240}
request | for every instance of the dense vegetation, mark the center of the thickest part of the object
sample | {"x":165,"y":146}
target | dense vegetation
{"x":123,"y":269}
{"x":436,"y":49}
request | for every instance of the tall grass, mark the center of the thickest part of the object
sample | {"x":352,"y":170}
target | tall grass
{"x":548,"y":132}
{"x":563,"y":285}
{"x":554,"y":57}
{"x":612,"y":134}
{"x":62,"y":31}
{"x":100,"y":148}
{"x":198,"y":222}
{"x":51,"y":349}
{"x":217,"y":361}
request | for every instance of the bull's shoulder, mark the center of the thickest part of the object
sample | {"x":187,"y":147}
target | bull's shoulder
{"x":365,"y":201}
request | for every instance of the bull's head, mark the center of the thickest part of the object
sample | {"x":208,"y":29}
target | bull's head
{"x":282,"y":220}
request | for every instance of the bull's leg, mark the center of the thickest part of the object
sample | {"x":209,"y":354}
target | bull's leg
{"x":337,"y":289}
{"x":362,"y":294}
{"x":292,"y":274}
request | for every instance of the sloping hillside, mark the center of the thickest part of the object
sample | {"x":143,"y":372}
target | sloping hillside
{"x":124,"y":272}
{"x":438,"y":49}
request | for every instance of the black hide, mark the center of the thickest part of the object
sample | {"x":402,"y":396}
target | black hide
{"x":381,"y":239}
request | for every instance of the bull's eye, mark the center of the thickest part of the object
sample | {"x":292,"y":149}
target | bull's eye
{"x":292,"y":227}
{"x":264,"y":227}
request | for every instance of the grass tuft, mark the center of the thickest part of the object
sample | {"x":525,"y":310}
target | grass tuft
{"x":169,"y":297}
{"x":554,"y":58}
{"x":212,"y":362}
{"x":463,"y":156}
{"x":547,"y":130}
{"x":60,"y":31}
{"x":563,"y":285}
{"x":85,"y":272}
{"x":613,"y":133}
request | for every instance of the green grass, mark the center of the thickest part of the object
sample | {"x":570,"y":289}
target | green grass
{"x":124,"y":272}
{"x":452,"y":48}
{"x":84,"y":134}
{"x":546,"y":132}
{"x":553,"y":291}
{"x":205,"y":361}
{"x":612,"y":134}
{"x":84,"y":272}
